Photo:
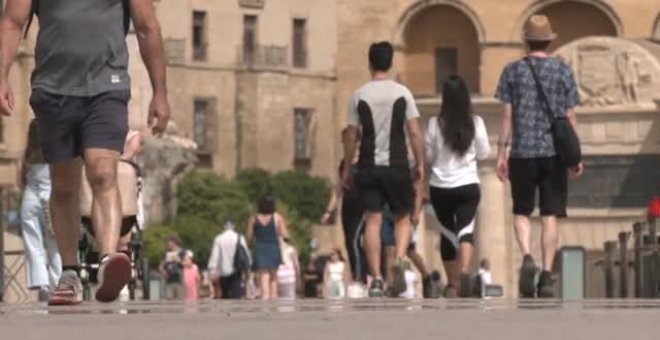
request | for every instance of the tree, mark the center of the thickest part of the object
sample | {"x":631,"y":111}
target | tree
{"x":210,"y":197}
{"x":256,"y":183}
{"x":153,"y":240}
{"x":305,"y":194}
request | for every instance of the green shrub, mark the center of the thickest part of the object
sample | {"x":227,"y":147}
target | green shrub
{"x":300,"y":230}
{"x":206,"y":201}
{"x":256,"y":183}
{"x":197,"y":235}
{"x":153,"y":240}
{"x":307,"y":195}
{"x":210,"y":197}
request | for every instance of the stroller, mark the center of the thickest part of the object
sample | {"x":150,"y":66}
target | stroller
{"x":129,"y":181}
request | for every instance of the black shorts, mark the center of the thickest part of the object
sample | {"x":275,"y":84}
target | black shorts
{"x":70,"y":125}
{"x":385,"y":185}
{"x":549,"y":175}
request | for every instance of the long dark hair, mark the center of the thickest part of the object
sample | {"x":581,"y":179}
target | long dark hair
{"x":455,"y":116}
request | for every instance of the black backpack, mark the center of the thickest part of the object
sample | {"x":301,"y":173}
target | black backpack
{"x":241,"y":257}
{"x":125,"y":4}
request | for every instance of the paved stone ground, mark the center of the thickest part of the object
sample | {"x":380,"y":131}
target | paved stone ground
{"x":354,"y":320}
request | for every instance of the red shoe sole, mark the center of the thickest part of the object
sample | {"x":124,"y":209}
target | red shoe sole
{"x":116,"y":275}
{"x":63,"y":302}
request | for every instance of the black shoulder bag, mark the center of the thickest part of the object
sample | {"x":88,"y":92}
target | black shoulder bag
{"x":567,"y":143}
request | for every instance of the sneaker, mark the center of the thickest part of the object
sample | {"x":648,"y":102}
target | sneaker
{"x":44,"y":294}
{"x":376,"y":288}
{"x":528,"y":270}
{"x":546,"y":287}
{"x":427,"y":287}
{"x":67,"y":292}
{"x":114,"y":273}
{"x":465,"y":290}
{"x":398,"y":278}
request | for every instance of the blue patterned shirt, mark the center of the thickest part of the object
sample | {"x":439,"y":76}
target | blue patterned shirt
{"x":531,"y":127}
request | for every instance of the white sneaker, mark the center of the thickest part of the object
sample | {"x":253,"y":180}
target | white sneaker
{"x":114,"y":274}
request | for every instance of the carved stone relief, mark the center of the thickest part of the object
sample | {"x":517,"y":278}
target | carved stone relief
{"x":613,"y":72}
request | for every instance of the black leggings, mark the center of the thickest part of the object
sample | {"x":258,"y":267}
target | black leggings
{"x":351,"y":220}
{"x":456,"y":209}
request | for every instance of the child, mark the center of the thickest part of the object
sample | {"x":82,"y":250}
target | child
{"x":191,"y":279}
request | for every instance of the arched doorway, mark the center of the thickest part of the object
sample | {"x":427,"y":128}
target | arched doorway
{"x":438,"y":41}
{"x":573,"y":20}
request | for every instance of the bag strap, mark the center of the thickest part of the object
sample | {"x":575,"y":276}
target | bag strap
{"x":545,"y":104}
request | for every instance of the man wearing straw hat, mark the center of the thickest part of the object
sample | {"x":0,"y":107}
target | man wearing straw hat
{"x":532,"y":163}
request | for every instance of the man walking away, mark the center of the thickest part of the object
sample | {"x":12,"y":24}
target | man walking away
{"x":533,"y":162}
{"x":43,"y":258}
{"x":387,"y":116}
{"x":80,"y":91}
{"x":227,"y":248}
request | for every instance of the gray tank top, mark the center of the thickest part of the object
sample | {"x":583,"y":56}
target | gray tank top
{"x":81,"y":47}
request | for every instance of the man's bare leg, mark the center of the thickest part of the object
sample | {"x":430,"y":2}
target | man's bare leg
{"x":65,"y":219}
{"x":523,"y":229}
{"x":115,"y":268}
{"x":65,"y":210}
{"x":550,"y":239}
{"x":403,"y":233}
{"x":372,"y":242}
{"x":526,"y":283}
{"x":101,"y":169}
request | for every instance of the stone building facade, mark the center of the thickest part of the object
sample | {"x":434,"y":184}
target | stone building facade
{"x":617,"y":74}
{"x":253,"y":81}
{"x":265,"y":83}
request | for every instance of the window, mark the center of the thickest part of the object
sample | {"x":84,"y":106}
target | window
{"x":199,"y":35}
{"x":299,"y":43}
{"x":201,"y":121}
{"x":446,"y":64}
{"x":250,"y":23}
{"x":302,"y":134}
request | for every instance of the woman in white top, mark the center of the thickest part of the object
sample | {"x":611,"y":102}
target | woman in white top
{"x":455,"y":140}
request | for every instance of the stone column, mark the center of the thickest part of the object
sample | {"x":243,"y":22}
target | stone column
{"x":494,"y":232}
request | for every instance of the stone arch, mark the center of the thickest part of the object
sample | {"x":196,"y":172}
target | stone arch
{"x":431,"y":51}
{"x":574,"y":19}
{"x":420,"y":5}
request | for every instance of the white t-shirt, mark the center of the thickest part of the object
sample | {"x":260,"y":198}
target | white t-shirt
{"x":381,"y":108}
{"x":448,"y":169}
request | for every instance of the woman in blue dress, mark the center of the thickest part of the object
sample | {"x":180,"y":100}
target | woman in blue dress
{"x":265,"y":230}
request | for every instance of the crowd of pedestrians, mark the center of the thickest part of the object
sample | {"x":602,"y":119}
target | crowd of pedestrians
{"x":391,"y":169}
